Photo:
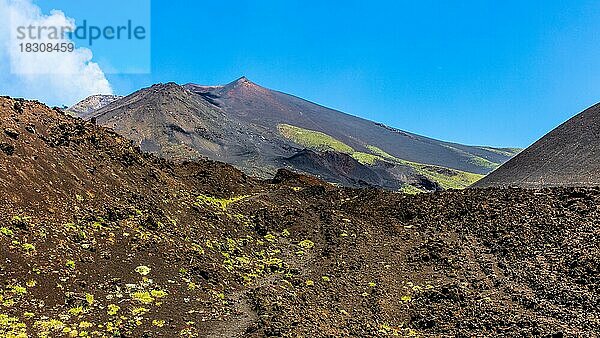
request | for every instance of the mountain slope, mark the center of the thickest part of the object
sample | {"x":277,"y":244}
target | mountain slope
{"x":170,"y":121}
{"x":91,"y":104}
{"x":259,"y":131}
{"x":567,"y":156}
{"x":101,"y":240}
{"x":261,"y":106}
{"x":166,"y":118}
{"x":348,"y":171}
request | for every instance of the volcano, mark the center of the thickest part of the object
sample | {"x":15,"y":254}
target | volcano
{"x":567,"y":156}
{"x":259,"y":131}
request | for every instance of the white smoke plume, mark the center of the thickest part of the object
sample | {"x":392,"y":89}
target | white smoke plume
{"x":54,"y":78}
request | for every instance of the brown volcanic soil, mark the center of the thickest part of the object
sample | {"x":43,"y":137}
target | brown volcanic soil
{"x":88,"y":224}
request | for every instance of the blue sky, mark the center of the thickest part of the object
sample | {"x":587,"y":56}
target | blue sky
{"x":474,"y":72}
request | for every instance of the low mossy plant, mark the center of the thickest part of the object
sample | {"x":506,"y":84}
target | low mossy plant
{"x":142,"y":297}
{"x":306,"y":244}
{"x":313,"y":139}
{"x":220,"y":203}
{"x":143,"y":270}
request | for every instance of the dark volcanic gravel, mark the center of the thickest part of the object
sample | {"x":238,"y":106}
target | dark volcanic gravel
{"x":98,"y":239}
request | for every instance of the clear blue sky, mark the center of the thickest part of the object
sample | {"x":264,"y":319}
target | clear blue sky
{"x":499,"y":73}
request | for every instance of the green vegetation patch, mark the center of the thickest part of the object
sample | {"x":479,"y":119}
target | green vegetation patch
{"x":220,"y":203}
{"x":381,"y":153}
{"x":306,"y":244}
{"x":365,"y":158}
{"x":12,"y":327}
{"x":482,"y":162}
{"x":510,"y":152}
{"x":476,"y":160}
{"x":142,"y":297}
{"x":445,"y":177}
{"x":457,"y":180}
{"x":143,"y":270}
{"x":319,"y":141}
{"x":313,"y":139}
